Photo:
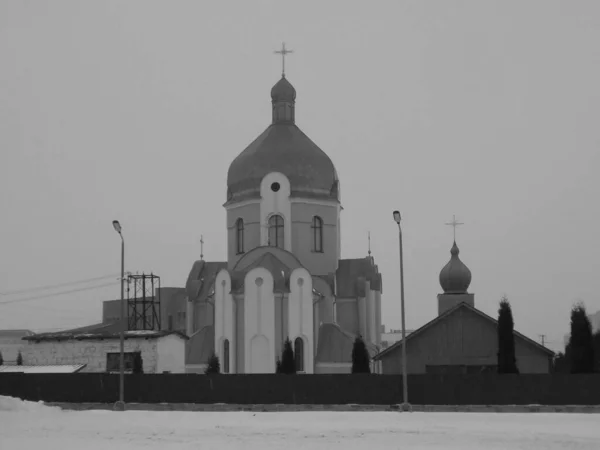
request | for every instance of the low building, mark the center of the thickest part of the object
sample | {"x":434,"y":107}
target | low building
{"x":11,"y":343}
{"x":461,"y":339}
{"x":98,"y":347}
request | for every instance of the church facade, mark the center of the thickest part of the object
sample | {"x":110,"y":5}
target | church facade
{"x":284,"y":277}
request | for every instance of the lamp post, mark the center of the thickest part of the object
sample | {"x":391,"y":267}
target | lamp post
{"x":120,"y":405}
{"x":405,"y":404}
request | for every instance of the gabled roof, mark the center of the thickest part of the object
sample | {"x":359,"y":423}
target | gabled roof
{"x":110,"y":330}
{"x":201,"y":280}
{"x":278,"y":262}
{"x":448,"y":313}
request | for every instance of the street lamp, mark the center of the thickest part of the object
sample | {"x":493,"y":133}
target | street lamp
{"x":120,"y":405}
{"x":405,"y":404}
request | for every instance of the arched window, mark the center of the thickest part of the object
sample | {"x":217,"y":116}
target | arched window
{"x":276,"y":231}
{"x":299,"y":354}
{"x":317,"y":232}
{"x":239,"y":226}
{"x":226,"y":356}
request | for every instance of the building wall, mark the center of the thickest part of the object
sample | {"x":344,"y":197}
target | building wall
{"x":259,"y":322}
{"x":303,"y":211}
{"x":11,"y":343}
{"x":346,"y":314}
{"x":170,"y":354}
{"x":225,"y":320}
{"x":90,"y":352}
{"x":463,"y":338}
{"x":301,"y":314}
{"x":276,"y":203}
{"x":324,"y":368}
{"x":249,"y":212}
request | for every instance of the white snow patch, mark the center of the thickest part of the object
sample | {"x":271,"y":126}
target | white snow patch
{"x":13,"y":404}
{"x":28,"y":425}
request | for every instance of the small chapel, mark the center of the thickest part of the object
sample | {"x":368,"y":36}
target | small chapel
{"x":284,"y":277}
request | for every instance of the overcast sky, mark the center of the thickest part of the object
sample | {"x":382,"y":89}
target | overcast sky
{"x":133,"y":110}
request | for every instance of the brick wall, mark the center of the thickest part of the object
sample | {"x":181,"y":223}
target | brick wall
{"x":89,"y":352}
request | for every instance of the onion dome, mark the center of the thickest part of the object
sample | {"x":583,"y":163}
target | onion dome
{"x":283,"y":148}
{"x":283,"y":91}
{"x":455,"y":277}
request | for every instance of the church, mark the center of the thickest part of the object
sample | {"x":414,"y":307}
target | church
{"x":284,"y":276}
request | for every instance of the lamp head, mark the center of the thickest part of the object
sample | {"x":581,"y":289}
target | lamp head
{"x":397,"y":217}
{"x":117,"y":226}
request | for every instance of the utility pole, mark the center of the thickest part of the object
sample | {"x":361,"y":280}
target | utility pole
{"x":543,"y":338}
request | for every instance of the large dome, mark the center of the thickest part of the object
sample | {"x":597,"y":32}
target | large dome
{"x":283,"y":148}
{"x":455,"y":277}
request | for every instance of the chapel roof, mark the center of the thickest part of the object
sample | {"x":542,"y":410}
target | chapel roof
{"x":443,"y":317}
{"x":283,"y":148}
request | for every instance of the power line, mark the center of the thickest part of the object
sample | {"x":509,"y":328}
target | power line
{"x":60,"y":293}
{"x":53,"y":286}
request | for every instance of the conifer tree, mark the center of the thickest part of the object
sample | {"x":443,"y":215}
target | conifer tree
{"x":138,"y":363}
{"x":288,"y":362}
{"x":1,"y":359}
{"x":19,"y":359}
{"x":360,"y":357}
{"x":507,"y":362}
{"x":214,"y":366}
{"x":581,"y":343}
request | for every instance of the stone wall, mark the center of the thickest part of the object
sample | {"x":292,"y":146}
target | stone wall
{"x":89,"y":352}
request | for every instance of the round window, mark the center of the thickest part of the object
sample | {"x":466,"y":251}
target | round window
{"x":275,"y":187}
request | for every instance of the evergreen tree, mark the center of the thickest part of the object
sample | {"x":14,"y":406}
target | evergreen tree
{"x":214,"y":366}
{"x":288,"y":362}
{"x":507,"y":362}
{"x":596,"y":345}
{"x":138,"y":363}
{"x":278,"y":366}
{"x":19,"y":359}
{"x":581,"y":342}
{"x":1,"y":359}
{"x":360,"y":357}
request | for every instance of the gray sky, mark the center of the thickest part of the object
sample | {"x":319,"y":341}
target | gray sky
{"x":133,"y":110}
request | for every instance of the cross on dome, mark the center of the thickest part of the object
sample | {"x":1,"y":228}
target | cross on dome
{"x":454,"y":224}
{"x":284,"y":51}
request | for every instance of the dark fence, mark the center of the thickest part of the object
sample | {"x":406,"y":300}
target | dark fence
{"x":480,"y":389}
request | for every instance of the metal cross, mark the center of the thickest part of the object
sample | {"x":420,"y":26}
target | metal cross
{"x":454,"y":224}
{"x":284,"y":51}
{"x":201,"y":247}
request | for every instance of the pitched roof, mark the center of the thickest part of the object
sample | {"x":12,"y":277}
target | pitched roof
{"x":280,"y":263}
{"x":451,"y":311}
{"x":110,"y":330}
{"x":352,"y":274}
{"x":201,"y":280}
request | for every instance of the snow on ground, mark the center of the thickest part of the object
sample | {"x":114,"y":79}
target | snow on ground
{"x":27,"y":425}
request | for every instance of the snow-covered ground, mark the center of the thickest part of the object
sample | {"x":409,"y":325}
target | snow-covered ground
{"x":26,"y":426}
